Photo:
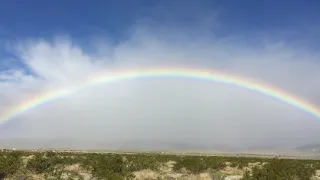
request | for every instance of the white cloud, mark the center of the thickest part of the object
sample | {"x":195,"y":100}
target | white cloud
{"x":185,"y":110}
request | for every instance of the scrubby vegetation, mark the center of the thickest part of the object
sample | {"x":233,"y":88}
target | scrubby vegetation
{"x":68,"y":165}
{"x":282,"y":169}
{"x":10,"y":163}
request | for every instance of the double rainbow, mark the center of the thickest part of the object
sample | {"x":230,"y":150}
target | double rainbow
{"x":203,"y":74}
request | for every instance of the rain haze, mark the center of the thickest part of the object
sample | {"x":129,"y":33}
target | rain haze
{"x":59,"y":44}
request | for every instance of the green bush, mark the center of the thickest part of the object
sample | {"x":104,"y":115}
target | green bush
{"x":192,"y":164}
{"x":40,"y":164}
{"x":279,"y":169}
{"x":116,"y":166}
{"x":140,"y":162}
{"x":10,"y":163}
{"x":107,"y":166}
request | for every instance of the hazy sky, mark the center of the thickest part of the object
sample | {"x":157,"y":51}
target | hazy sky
{"x":52,"y":45}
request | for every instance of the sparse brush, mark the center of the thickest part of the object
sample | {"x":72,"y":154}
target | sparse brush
{"x":51,"y":165}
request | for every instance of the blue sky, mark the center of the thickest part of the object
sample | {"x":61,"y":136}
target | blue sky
{"x":47,"y":45}
{"x":295,"y":20}
{"x":37,"y":18}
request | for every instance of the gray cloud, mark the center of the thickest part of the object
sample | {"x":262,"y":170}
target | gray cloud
{"x":184,"y":110}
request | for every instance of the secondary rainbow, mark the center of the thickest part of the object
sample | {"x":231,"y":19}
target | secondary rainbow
{"x":204,"y":74}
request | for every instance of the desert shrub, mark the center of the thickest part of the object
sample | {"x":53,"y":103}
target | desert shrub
{"x":217,"y":176}
{"x":282,"y":169}
{"x":55,"y":173}
{"x":234,"y":164}
{"x":10,"y":163}
{"x":140,"y":162}
{"x":40,"y":164}
{"x":116,"y":166}
{"x":246,"y":176}
{"x":215,"y":163}
{"x":191,"y":163}
{"x":107,"y":166}
{"x":197,"y":164}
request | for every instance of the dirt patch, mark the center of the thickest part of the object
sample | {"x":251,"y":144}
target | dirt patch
{"x":37,"y":176}
{"x":316,"y":176}
{"x":234,"y":177}
{"x":231,"y":171}
{"x":86,"y":176}
{"x":74,"y":168}
{"x":205,"y":176}
{"x":146,"y":175}
{"x":167,"y":167}
{"x":166,"y":171}
{"x":25,"y":159}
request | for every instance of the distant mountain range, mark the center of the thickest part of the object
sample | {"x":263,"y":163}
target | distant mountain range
{"x":153,"y":145}
{"x":310,"y":148}
{"x":149,"y":145}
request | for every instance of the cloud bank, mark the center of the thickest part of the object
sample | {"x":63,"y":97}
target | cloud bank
{"x":164,"y":109}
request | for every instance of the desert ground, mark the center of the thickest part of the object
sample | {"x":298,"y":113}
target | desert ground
{"x":41,"y":164}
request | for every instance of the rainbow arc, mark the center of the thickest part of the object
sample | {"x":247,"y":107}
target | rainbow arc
{"x":204,"y":74}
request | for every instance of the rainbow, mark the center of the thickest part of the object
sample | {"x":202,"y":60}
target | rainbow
{"x":203,"y":74}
